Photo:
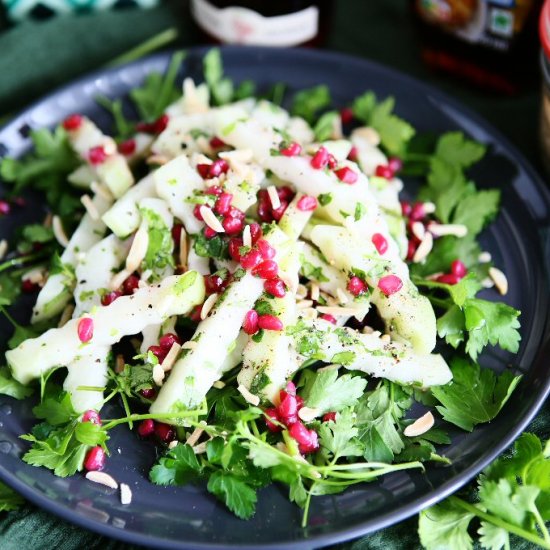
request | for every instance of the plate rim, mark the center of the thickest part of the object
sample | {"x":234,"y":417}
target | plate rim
{"x":384,"y":520}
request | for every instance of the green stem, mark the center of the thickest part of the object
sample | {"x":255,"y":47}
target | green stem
{"x":154,"y":43}
{"x":137,"y":417}
{"x":500,"y":522}
{"x":306,"y":507}
{"x":21,"y":260}
{"x":541,"y":524}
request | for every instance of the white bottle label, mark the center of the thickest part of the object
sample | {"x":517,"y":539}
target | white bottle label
{"x":237,"y":25}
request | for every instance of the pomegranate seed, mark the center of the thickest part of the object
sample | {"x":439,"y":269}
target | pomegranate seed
{"x":264,"y":212}
{"x":209,"y":233}
{"x":292,"y":150}
{"x":166,"y":341}
{"x":395,"y":164}
{"x":97,"y":155}
{"x":146,"y":428}
{"x":91,"y":416}
{"x":85,"y":329}
{"x":160,"y":124}
{"x":5,"y":207}
{"x":320,"y":159}
{"x":266,"y":250}
{"x":406,"y":208}
{"x":130,"y":284}
{"x":256,"y":232}
{"x":332,"y":162}
{"x":195,"y":314}
{"x":236,"y":213}
{"x":223,"y":204}
{"x":448,"y":279}
{"x":72,"y":122}
{"x":127,"y":147}
{"x":217,"y":168}
{"x":95,"y":459}
{"x":28,"y":287}
{"x":165,"y":432}
{"x":330,"y":416}
{"x":307,"y":203}
{"x":203,"y":170}
{"x":250,"y":323}
{"x":272,"y":413}
{"x":417,"y":211}
{"x":275,"y":287}
{"x":383,"y":171}
{"x":458,"y":269}
{"x":411,"y":249}
{"x":158,"y":352}
{"x":299,"y":402}
{"x":288,"y":408}
{"x":144,"y":127}
{"x":285,"y":193}
{"x":290,"y":388}
{"x":390,"y":284}
{"x":176,"y":233}
{"x":357,"y":286}
{"x":110,"y":297}
{"x":270,"y":322}
{"x":213,"y":283}
{"x":148,"y":393}
{"x":346,"y":174}
{"x":217,"y":143}
{"x":268,"y":269}
{"x":328,"y":317}
{"x":277,"y":213}
{"x":251,"y":259}
{"x":346,"y":115}
{"x":213,"y":189}
{"x":234,"y":246}
{"x":353,"y":154}
{"x":232,"y":226}
{"x":307,"y":439}
{"x":380,"y":243}
{"x":197,"y":212}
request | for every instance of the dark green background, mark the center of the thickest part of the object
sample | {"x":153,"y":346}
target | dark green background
{"x":35,"y":58}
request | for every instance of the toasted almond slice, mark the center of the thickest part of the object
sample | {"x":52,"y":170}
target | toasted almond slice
{"x":368,"y":133}
{"x":208,"y":305}
{"x":210,"y":219}
{"x":200,"y":448}
{"x":3,"y":248}
{"x":239,"y":155}
{"x":307,"y":414}
{"x":301,"y":291}
{"x":66,"y":315}
{"x":119,"y":278}
{"x":342,"y":296}
{"x":100,"y":189}
{"x":184,"y":249}
{"x":119,"y":363}
{"x":249,"y":397}
{"x":138,"y":249}
{"x":315,"y":292}
{"x":157,"y":159}
{"x":247,"y":237}
{"x":173,"y":444}
{"x":420,"y":425}
{"x":102,"y":478}
{"x":337,"y":311}
{"x":218,"y":384}
{"x":194,"y":437}
{"x":190,"y":344}
{"x":158,"y":375}
{"x":424,"y":248}
{"x":90,"y":207}
{"x":418,"y":230}
{"x":125,"y":494}
{"x":59,"y":232}
{"x":171,"y":357}
{"x":273,"y":197}
{"x":303,"y":304}
{"x":440,"y":229}
{"x":484,"y":257}
{"x":35,"y":275}
{"x":429,"y":207}
{"x":500,"y":280}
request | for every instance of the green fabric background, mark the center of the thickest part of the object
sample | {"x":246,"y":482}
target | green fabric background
{"x":37,"y":57}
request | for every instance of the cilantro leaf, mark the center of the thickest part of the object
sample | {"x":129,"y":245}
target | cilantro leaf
{"x":10,"y":386}
{"x":36,"y":233}
{"x":235,"y":492}
{"x":10,"y":288}
{"x":210,"y":248}
{"x":178,"y":467}
{"x":9,"y":499}
{"x":55,"y":409}
{"x":324,"y":127}
{"x":339,"y":437}
{"x":475,"y":210}
{"x":484,"y":392}
{"x":307,"y":103}
{"x":458,"y":151}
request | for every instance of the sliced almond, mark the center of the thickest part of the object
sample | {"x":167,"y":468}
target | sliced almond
{"x":125,"y":494}
{"x":35,"y":275}
{"x":157,"y":159}
{"x":455,"y":229}
{"x":315,"y":292}
{"x":208,"y":305}
{"x":119,"y":278}
{"x":218,"y":384}
{"x":102,"y":478}
{"x":138,"y":249}
{"x":368,"y":133}
{"x":200,"y":448}
{"x":484,"y":257}
{"x":386,"y":338}
{"x":119,"y":363}
{"x":173,"y":444}
{"x":59,"y":232}
{"x":90,"y":207}
{"x":171,"y":357}
{"x":420,"y":425}
{"x":210,"y":219}
{"x":342,"y":296}
{"x":337,"y":311}
{"x":424,"y":248}
{"x":194,"y":437}
{"x":308,"y":313}
{"x":190,"y":344}
{"x":158,"y":374}
{"x":500,"y":280}
{"x":303,"y":304}
{"x":418,"y":230}
{"x":429,"y":207}
{"x":3,"y":248}
{"x":247,"y":237}
{"x":248,"y":396}
{"x":301,"y":291}
{"x":273,"y":197}
{"x":100,"y":189}
{"x":184,"y":249}
{"x":307,"y":414}
{"x":66,"y":316}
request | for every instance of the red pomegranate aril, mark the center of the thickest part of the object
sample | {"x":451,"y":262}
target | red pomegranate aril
{"x":251,"y":259}
{"x":266,"y":250}
{"x":256,"y":232}
{"x":268,"y":269}
{"x":217,"y":143}
{"x":290,"y":388}
{"x":288,"y":409}
{"x":91,"y":416}
{"x":390,"y":284}
{"x":411,"y":249}
{"x":236,"y":213}
{"x":272,"y":414}
{"x":165,"y":432}
{"x":275,"y":287}
{"x":127,"y":147}
{"x":330,"y":416}
{"x":346,"y":175}
{"x":213,"y":283}
{"x":234,"y":246}
{"x":448,"y":279}
{"x":85,"y":329}
{"x":292,"y":150}
{"x":264,"y":212}
{"x":160,"y":124}
{"x":395,"y":164}
{"x":417,"y":212}
{"x":232,"y":226}
{"x":299,"y":402}
{"x":285,"y":193}
{"x":130,"y":284}
{"x":270,"y":322}
{"x":213,"y":189}
{"x":146,"y":427}
{"x":197,"y":212}
{"x":28,"y":287}
{"x":217,"y":168}
{"x":307,"y":439}
{"x":320,"y":159}
{"x":95,"y":459}
{"x":383,"y":171}
{"x":209,"y":233}
{"x":353,"y":154}
{"x":346,"y":115}
{"x":166,"y":341}
{"x":203,"y":170}
{"x":223,"y":203}
{"x":72,"y":122}
{"x":380,"y":243}
{"x":332,"y":162}
{"x":250,"y":323}
{"x":5,"y":207}
{"x":195,"y":314}
{"x":110,"y":297}
{"x":148,"y":393}
{"x":158,"y":352}
{"x":176,"y":233}
{"x":313,"y":444}
{"x":328,"y":317}
{"x":458,"y":269}
{"x":277,"y":213}
{"x":406,"y":208}
{"x":97,"y":155}
{"x":307,"y":203}
{"x":357,"y":286}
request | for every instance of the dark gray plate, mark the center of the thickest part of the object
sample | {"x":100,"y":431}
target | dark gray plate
{"x":189,"y":517}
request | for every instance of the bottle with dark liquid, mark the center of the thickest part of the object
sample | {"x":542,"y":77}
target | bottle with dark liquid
{"x":280,"y":23}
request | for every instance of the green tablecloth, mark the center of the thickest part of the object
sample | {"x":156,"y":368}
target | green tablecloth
{"x":37,"y":57}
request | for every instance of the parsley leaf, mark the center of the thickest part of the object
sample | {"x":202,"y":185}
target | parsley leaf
{"x":307,"y":103}
{"x":124,"y":128}
{"x":309,"y":271}
{"x":324,"y":127}
{"x":9,"y":499}
{"x":10,"y":386}
{"x":484,"y":393}
{"x":160,"y":246}
{"x":235,"y":492}
{"x":221,"y":88}
{"x":216,"y":247}
{"x":339,"y":437}
{"x":55,"y":409}
{"x":177,"y":467}
{"x":458,"y":151}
